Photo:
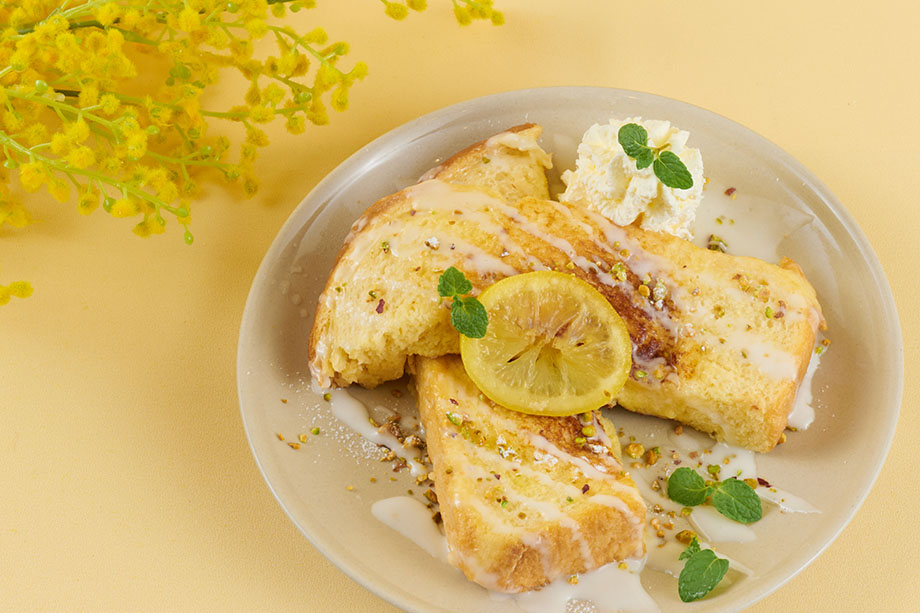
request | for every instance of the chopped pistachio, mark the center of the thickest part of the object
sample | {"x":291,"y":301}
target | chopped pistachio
{"x":634,"y":450}
{"x":619,"y":271}
{"x":588,"y":431}
{"x":685,"y":536}
{"x":717,"y":244}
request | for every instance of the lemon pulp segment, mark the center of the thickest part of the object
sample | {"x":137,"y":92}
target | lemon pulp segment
{"x":554,"y":346}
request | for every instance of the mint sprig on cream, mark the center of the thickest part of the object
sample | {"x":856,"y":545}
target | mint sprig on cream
{"x":666,"y":165}
{"x":467,"y":314}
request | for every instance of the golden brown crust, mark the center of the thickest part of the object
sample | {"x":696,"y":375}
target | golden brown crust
{"x":463,"y":156}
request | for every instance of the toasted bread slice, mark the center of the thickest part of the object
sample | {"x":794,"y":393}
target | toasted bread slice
{"x":511,"y":164}
{"x":523,"y":503}
{"x":720,"y":342}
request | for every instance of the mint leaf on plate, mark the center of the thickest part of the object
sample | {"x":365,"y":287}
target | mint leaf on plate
{"x":701,"y":573}
{"x":691,"y":549}
{"x":737,"y":500}
{"x":687,"y":487}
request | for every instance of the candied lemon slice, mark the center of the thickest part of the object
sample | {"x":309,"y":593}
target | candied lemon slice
{"x":554,"y":346}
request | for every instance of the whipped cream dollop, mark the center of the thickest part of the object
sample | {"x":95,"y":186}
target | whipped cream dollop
{"x":607,"y":180}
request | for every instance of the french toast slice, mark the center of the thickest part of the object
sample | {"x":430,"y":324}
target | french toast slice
{"x":720,"y":342}
{"x":511,"y":164}
{"x":523,"y":503}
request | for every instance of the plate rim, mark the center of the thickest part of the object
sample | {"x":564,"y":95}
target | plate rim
{"x":409,"y":131}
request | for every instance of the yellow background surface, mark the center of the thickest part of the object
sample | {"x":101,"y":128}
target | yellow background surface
{"x":126,"y":482}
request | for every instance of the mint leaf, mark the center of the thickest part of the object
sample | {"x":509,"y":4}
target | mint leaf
{"x":467,"y":314}
{"x":645,"y":159}
{"x":692,"y":548}
{"x":701,"y":573}
{"x":469,"y":317}
{"x":737,"y":500}
{"x":453,"y":283}
{"x":687,"y":487}
{"x":671,"y":171}
{"x":634,"y":140}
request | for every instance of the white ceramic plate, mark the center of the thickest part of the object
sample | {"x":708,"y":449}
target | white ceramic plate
{"x":857,"y":387}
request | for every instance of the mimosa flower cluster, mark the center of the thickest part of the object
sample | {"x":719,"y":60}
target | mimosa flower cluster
{"x":101,"y":101}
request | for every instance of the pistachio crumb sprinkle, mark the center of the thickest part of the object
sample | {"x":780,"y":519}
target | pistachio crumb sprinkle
{"x":635,"y":450}
{"x":685,"y":536}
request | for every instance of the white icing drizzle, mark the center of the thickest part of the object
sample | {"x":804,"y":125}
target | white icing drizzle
{"x":412,"y":519}
{"x":666,"y":558}
{"x":562,"y":488}
{"x":787,"y":503}
{"x":548,"y":510}
{"x":412,"y":239}
{"x":716,"y":528}
{"x":533,"y":540}
{"x":353,"y":413}
{"x":740,"y":463}
{"x":803,"y":414}
{"x":587,"y":469}
{"x":608,"y":588}
{"x":554,"y":454}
